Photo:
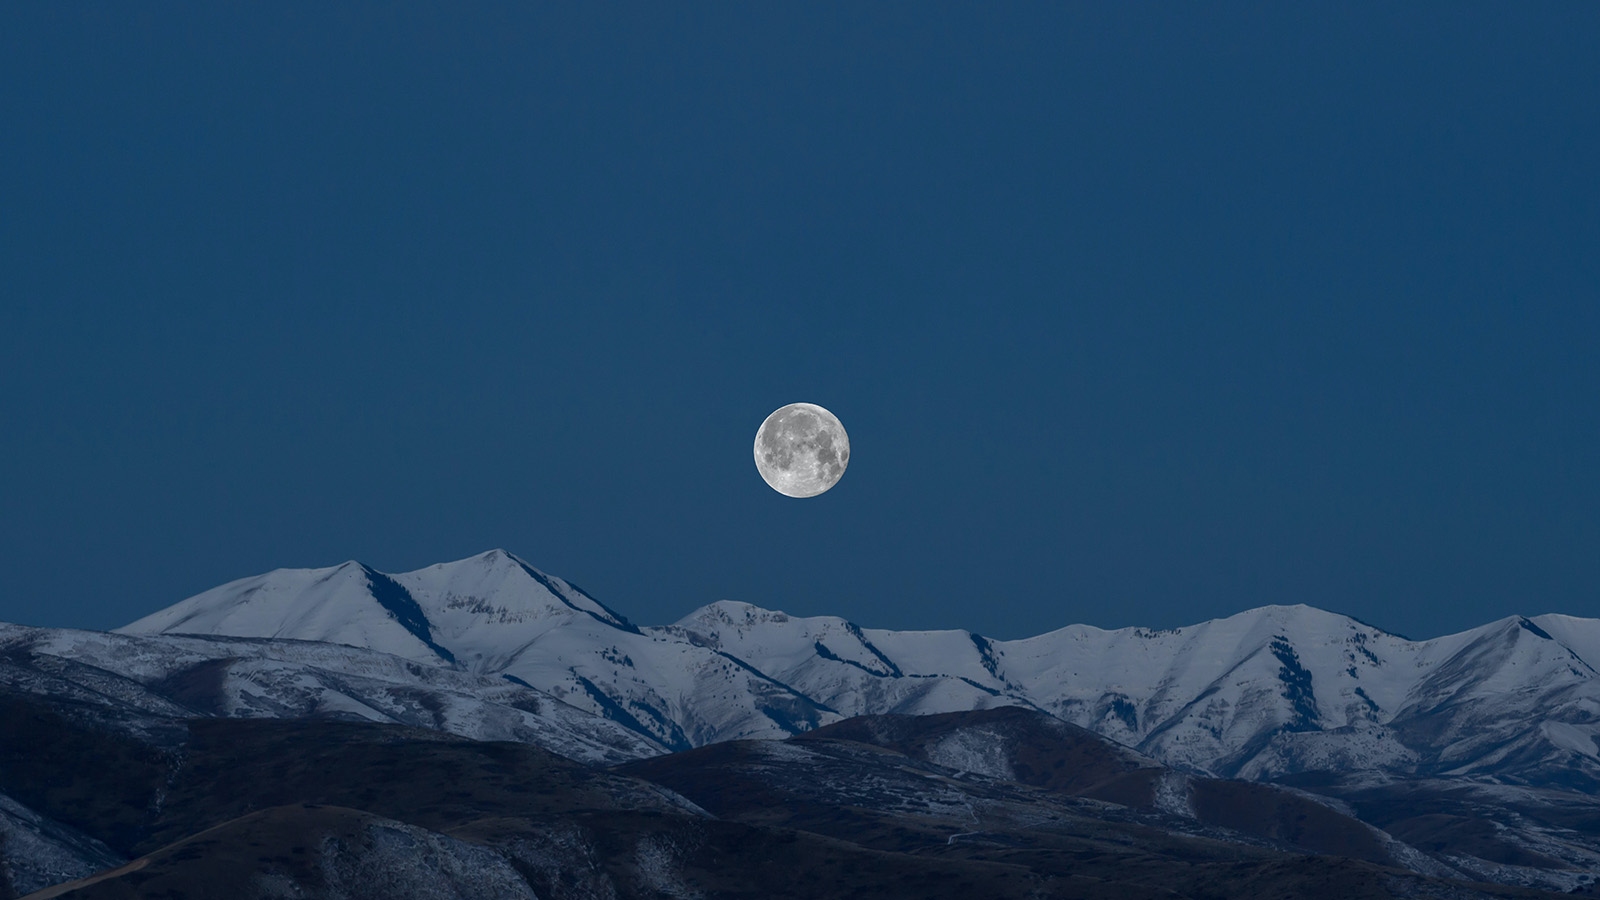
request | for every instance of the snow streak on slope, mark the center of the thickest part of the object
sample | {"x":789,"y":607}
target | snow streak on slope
{"x":844,"y":667}
{"x":1264,"y":693}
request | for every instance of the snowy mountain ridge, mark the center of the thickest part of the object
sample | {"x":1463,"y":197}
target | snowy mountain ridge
{"x":1264,"y":693}
{"x":147,"y":685}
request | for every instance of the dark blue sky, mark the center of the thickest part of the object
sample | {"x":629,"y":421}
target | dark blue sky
{"x":1135,"y":314}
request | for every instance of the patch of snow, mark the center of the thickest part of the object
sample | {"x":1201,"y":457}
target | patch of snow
{"x":1172,"y":794}
{"x":976,"y":750}
{"x":658,"y":860}
{"x":1576,"y":738}
{"x":398,"y":860}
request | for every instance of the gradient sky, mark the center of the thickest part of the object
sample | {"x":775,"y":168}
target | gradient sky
{"x":1136,"y":314}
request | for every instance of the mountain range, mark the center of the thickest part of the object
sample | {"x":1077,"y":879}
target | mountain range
{"x":1471,"y":756}
{"x":1271,"y":692}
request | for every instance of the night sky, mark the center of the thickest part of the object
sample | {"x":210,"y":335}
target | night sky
{"x":1136,"y":314}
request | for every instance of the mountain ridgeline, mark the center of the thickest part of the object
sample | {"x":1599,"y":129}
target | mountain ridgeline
{"x":481,"y":728}
{"x":1269,"y":693}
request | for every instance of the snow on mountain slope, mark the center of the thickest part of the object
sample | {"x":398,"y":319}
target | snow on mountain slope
{"x":496,"y":588}
{"x":148,"y":685}
{"x":1578,"y":635}
{"x":499,"y":615}
{"x":1510,"y":698}
{"x":494,"y":615}
{"x":1208,"y":696}
{"x":345,"y":604}
{"x":843,"y":667}
{"x":1264,"y":693}
{"x":1193,"y":696}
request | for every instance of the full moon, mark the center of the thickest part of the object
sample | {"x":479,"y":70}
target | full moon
{"x":802,"y":450}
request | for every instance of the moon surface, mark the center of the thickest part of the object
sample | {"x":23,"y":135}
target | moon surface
{"x":802,"y":450}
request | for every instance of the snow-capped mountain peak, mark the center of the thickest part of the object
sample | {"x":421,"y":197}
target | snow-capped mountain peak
{"x":488,"y":608}
{"x":350,"y":603}
{"x":1266,"y":691}
{"x":503,"y":586}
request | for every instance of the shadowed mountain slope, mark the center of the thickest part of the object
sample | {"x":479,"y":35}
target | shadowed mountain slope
{"x":872,"y":781}
{"x":350,"y":810}
{"x":1030,"y":748}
